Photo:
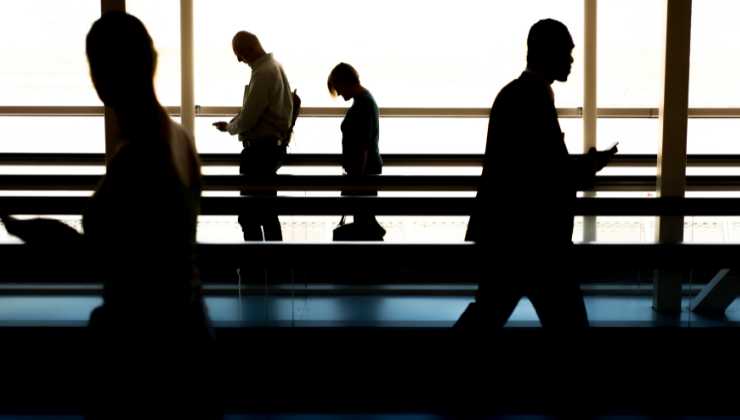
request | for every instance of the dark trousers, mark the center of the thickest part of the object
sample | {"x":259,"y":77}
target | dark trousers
{"x":555,"y":295}
{"x":259,"y":163}
{"x":362,"y":217}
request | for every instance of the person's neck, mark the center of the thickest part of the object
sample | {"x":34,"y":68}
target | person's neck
{"x":256,"y":59}
{"x":355,"y":91}
{"x":139,"y":116}
{"x":539,"y":74}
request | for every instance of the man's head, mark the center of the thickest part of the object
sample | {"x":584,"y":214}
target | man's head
{"x":122,"y":59}
{"x":247,"y":47}
{"x":549,"y":48}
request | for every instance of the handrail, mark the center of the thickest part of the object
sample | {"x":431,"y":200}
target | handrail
{"x":327,"y":159}
{"x":386,"y":112}
{"x":404,"y":206}
{"x":462,"y":256}
{"x":469,"y":183}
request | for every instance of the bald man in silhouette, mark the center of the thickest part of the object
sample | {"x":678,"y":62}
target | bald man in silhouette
{"x":263,"y":126}
{"x":523,"y":218}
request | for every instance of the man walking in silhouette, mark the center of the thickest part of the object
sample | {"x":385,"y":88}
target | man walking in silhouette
{"x":263,"y":126}
{"x":523,"y":219}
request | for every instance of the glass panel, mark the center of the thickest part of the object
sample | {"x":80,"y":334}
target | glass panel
{"x":397,"y":135}
{"x":635,"y":135}
{"x":714,"y":136}
{"x":712,"y":229}
{"x":52,"y":135}
{"x":319,"y":228}
{"x":162,"y":20}
{"x":44,"y":59}
{"x":715,"y":54}
{"x":412,"y":53}
{"x":629,"y":59}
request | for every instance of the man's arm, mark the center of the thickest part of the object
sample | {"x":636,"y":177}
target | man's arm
{"x":584,"y":167}
{"x":254,"y":105}
{"x":361,"y":133}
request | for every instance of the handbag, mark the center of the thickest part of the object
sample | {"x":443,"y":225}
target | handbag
{"x":358,"y":232}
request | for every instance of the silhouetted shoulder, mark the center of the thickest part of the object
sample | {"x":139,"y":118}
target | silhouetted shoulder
{"x":184,"y":155}
{"x":524,"y":91}
{"x":366,"y":101}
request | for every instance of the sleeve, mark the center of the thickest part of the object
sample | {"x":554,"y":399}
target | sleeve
{"x":358,"y":138}
{"x":255,"y":104}
{"x":582,"y":172}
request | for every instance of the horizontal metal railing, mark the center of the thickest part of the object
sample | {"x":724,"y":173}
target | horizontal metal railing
{"x":403,"y":206}
{"x":327,"y":159}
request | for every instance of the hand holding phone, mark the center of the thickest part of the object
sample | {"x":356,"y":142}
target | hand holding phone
{"x":221,"y":125}
{"x":613,"y":148}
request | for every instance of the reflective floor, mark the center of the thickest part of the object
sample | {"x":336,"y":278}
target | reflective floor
{"x":266,"y":309}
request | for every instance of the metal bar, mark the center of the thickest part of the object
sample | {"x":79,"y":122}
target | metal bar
{"x":399,"y":206}
{"x":717,"y":295}
{"x":187,"y":68}
{"x":320,"y":159}
{"x":449,"y":263}
{"x":318,"y":112}
{"x":338,"y":182}
{"x":671,"y":182}
{"x":590,"y":110}
{"x":628,"y":183}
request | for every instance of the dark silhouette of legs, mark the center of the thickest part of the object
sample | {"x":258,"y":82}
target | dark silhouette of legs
{"x":559,"y":304}
{"x":260,"y":162}
{"x":556,"y":298}
{"x":495,"y":300}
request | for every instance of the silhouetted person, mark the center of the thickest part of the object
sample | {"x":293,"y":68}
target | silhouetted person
{"x":263,"y":125}
{"x":151,"y":336}
{"x":523,"y":219}
{"x":360,"y":131}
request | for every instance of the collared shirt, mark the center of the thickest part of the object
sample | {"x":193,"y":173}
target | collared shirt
{"x":267,"y":105}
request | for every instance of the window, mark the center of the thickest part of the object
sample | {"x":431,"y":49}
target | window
{"x":44,"y":52}
{"x":630,"y":48}
{"x":162,"y":20}
{"x":413,"y":53}
{"x":715,"y":54}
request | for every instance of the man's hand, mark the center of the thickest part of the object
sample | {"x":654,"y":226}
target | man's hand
{"x":599,"y":159}
{"x":221,"y":125}
{"x":11,"y":223}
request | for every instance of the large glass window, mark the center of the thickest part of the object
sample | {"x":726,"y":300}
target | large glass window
{"x":715,"y":64}
{"x":397,"y":135}
{"x":43,"y":52}
{"x":714,"y":136}
{"x":635,"y":135}
{"x":630,"y":44}
{"x":52,"y":135}
{"x":411,"y":53}
{"x":162,"y":20}
{"x":715,"y":54}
